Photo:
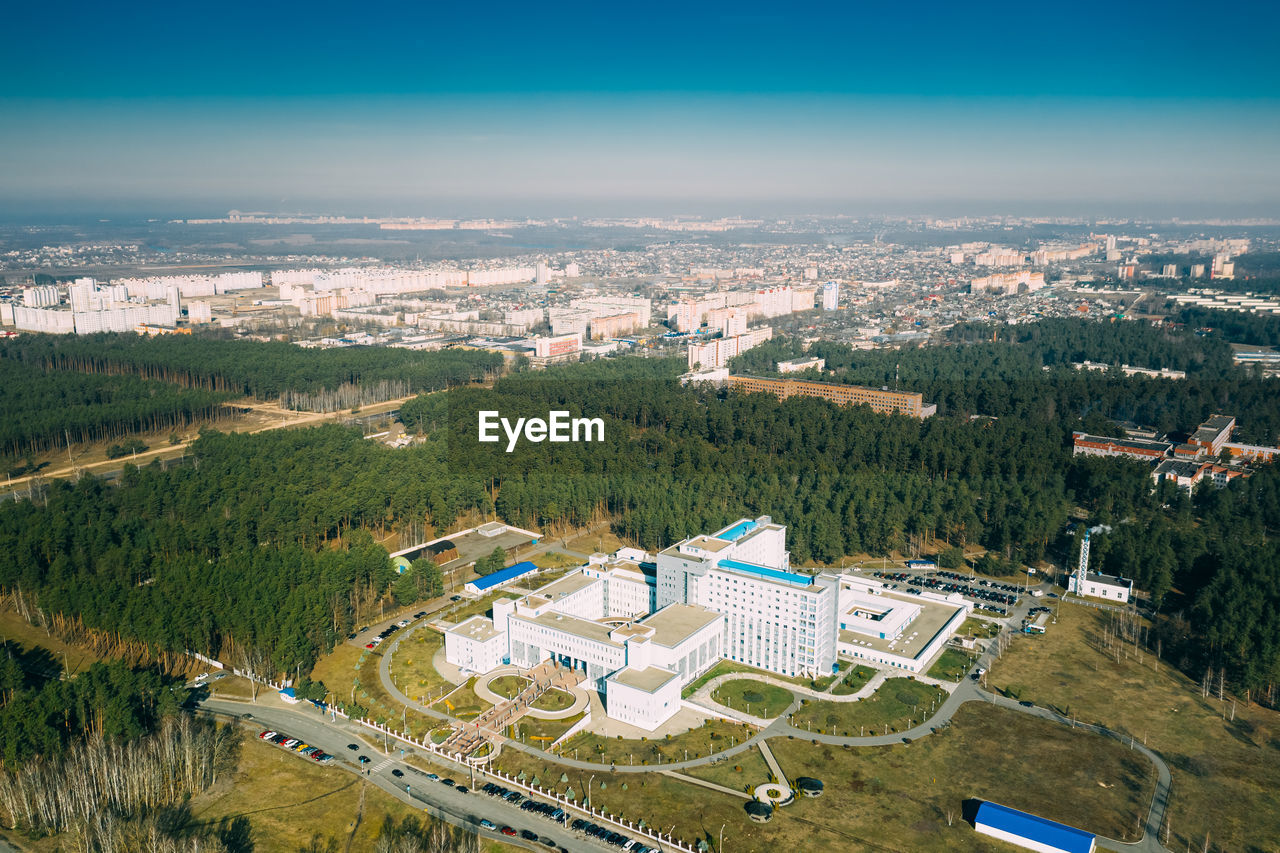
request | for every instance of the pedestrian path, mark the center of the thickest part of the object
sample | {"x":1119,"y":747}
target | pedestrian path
{"x":773,"y":763}
{"x":694,"y":780}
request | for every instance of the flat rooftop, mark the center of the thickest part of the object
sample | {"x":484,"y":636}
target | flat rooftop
{"x":478,"y":628}
{"x":933,"y":617}
{"x":676,"y":622}
{"x":584,"y":628}
{"x":776,"y":575}
{"x":565,"y":586}
{"x":709,"y":543}
{"x":1112,"y":580}
{"x":649,"y":679}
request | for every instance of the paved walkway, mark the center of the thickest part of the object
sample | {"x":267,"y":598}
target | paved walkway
{"x":694,"y":780}
{"x":773,"y":763}
{"x":556,"y":680}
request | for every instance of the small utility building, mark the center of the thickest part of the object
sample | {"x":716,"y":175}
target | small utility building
{"x":1030,"y":831}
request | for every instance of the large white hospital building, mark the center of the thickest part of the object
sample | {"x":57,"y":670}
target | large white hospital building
{"x":640,"y":628}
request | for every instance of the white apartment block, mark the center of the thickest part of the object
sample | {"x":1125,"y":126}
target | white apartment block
{"x":717,"y":351}
{"x":798,"y":365}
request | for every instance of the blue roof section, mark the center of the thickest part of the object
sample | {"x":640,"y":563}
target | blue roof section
{"x":736,"y":532}
{"x":1035,"y":828}
{"x":501,"y":577}
{"x":765,"y":572}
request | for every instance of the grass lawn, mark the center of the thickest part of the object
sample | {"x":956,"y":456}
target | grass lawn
{"x":697,"y":742}
{"x":463,"y":702}
{"x":554,"y":700}
{"x":508,"y":685}
{"x":482,"y":606}
{"x":952,"y":664}
{"x":978,"y":628}
{"x":61,"y":656}
{"x":1226,"y":773}
{"x":728,"y":667}
{"x":543,"y":733}
{"x":854,"y":680}
{"x":887,"y":798}
{"x":553,"y":561}
{"x":338,"y":669}
{"x":753,"y":697}
{"x":739,"y":772}
{"x":288,"y":800}
{"x":412,"y":666}
{"x":894,"y":706}
{"x":900,"y":796}
{"x":660,"y":801}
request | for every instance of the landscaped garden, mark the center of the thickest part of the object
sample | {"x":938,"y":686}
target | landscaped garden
{"x":753,"y":697}
{"x":899,"y":704}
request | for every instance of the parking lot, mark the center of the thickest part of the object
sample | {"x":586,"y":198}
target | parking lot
{"x":297,"y":745}
{"x":558,"y":816}
{"x":991,"y":595}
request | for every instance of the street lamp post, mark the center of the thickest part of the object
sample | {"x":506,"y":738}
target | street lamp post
{"x":593,"y":778}
{"x":720,"y":849}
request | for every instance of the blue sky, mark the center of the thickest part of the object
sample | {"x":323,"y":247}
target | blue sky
{"x":418,"y":108}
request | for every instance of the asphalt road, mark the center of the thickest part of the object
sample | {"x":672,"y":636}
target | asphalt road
{"x":413,"y":787}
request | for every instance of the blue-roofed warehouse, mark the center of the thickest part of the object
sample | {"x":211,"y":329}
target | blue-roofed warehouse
{"x":1030,"y":831}
{"x":498,"y":578}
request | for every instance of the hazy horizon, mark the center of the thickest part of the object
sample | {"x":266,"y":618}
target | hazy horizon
{"x":408,"y":110}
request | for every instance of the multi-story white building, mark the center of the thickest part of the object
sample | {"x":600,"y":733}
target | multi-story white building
{"x":717,"y":351}
{"x":776,"y":619}
{"x":41,"y":296}
{"x":639,"y":629}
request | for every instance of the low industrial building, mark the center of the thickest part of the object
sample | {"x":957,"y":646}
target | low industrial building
{"x":1030,"y":831}
{"x":901,"y":631}
{"x":1095,"y":585}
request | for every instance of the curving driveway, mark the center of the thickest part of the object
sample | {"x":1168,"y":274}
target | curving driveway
{"x":966,"y":691}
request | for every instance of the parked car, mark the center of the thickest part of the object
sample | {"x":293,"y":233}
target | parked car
{"x":487,"y":824}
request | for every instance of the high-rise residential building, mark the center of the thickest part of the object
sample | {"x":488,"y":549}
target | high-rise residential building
{"x":831,"y":296}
